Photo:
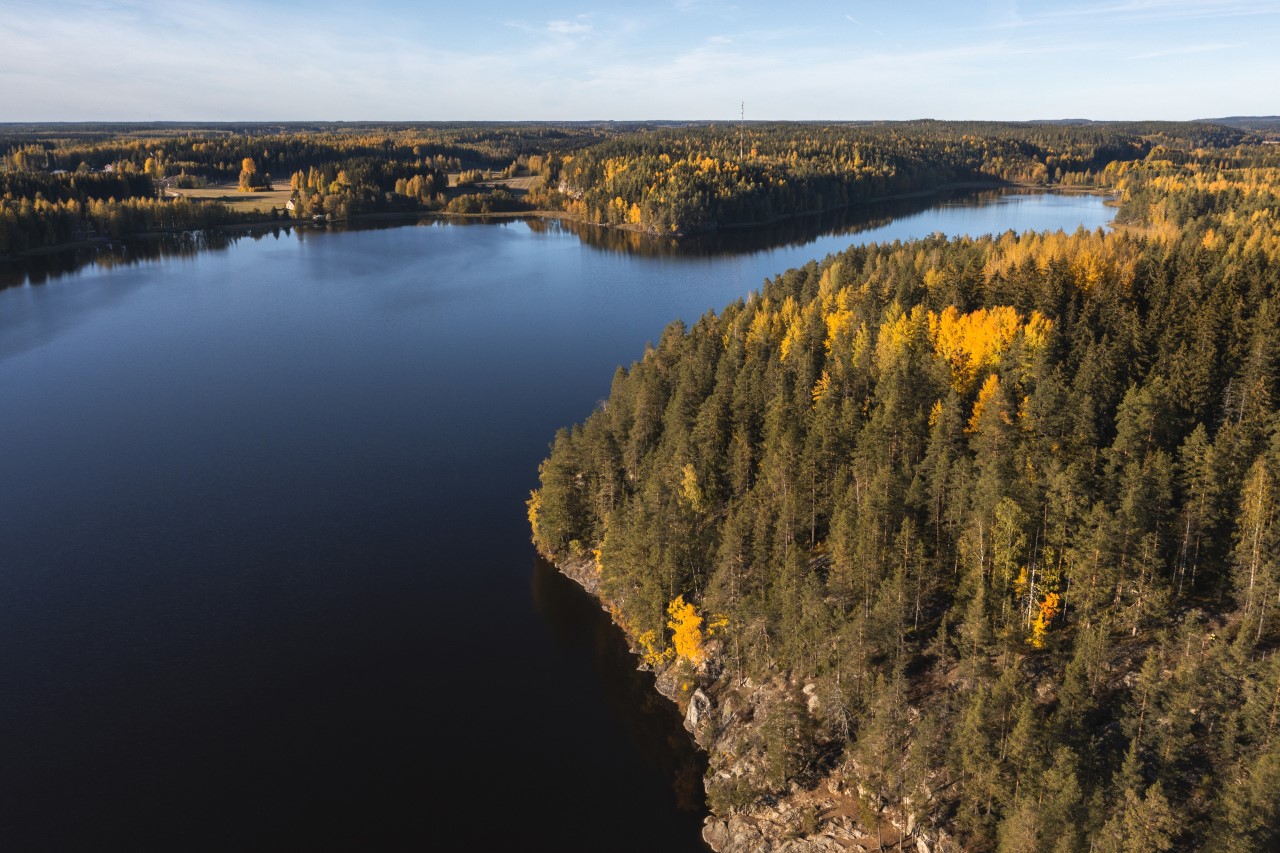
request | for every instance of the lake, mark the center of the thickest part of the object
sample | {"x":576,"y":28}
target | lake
{"x":265,"y":573}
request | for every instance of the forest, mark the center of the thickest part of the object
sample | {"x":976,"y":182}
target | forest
{"x":61,"y":184}
{"x":690,"y":180}
{"x":1006,"y":508}
{"x":67,"y":184}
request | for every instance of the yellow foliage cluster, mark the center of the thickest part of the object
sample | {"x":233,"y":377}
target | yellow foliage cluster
{"x":790,"y":319}
{"x":1040,"y":626}
{"x":838,"y":321}
{"x":687,"y":635}
{"x":690,"y":492}
{"x":765,"y":326}
{"x":1088,"y":256}
{"x":782,"y":327}
{"x":986,"y":396}
{"x":935,"y":414}
{"x":902,"y":334}
{"x":649,"y":648}
{"x":686,"y":630}
{"x":614,"y":166}
{"x":1036,"y":333}
{"x":830,"y":279}
{"x":533,"y":505}
{"x":973,"y":342}
{"x":970,"y":344}
{"x":821,"y":387}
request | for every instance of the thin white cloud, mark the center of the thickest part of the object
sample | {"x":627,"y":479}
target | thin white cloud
{"x":1140,"y":10}
{"x":568,"y":28}
{"x":857,"y":23}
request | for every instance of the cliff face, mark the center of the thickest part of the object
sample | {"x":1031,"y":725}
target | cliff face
{"x":731,"y":719}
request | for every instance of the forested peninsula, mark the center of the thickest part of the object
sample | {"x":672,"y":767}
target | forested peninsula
{"x":71,"y":184}
{"x":961,"y":544}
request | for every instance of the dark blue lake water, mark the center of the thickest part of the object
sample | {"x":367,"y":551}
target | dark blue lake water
{"x":265,"y":577}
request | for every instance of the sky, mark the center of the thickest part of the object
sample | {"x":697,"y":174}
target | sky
{"x":395,"y":60}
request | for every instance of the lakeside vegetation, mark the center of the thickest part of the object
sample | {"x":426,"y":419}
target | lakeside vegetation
{"x":64,"y":184}
{"x":1008,"y":509}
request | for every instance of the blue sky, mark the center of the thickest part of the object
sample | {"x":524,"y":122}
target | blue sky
{"x":80,"y":60}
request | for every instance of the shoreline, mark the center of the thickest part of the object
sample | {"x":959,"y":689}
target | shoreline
{"x":249,"y":227}
{"x":720,"y":714}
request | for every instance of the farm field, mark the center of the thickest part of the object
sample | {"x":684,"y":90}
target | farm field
{"x":230,"y":195}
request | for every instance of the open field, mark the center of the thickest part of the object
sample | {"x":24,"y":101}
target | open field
{"x":516,"y":186}
{"x":492,"y":181}
{"x":230,"y":195}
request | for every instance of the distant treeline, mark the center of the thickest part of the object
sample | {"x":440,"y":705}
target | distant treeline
{"x":49,"y":176}
{"x":701,"y":179}
{"x":655,"y":178}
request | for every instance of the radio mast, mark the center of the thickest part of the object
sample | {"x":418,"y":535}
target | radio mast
{"x":742,"y":120}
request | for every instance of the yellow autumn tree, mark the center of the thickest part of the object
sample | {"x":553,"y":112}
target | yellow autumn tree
{"x":653,"y":655}
{"x":1048,"y":610}
{"x":251,"y":180}
{"x":1036,"y":333}
{"x":901,"y":335}
{"x":988,"y":395}
{"x":533,"y":505}
{"x":690,"y":492}
{"x":839,"y":321}
{"x":793,"y":329}
{"x":821,"y":387}
{"x":971,"y":343}
{"x":686,"y":630}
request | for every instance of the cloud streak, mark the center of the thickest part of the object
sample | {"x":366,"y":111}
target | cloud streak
{"x":568,"y":28}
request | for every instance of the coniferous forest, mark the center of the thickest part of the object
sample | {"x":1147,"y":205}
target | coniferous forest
{"x":984,"y":533}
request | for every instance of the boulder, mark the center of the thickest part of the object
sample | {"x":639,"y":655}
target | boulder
{"x":699,"y":710}
{"x":735,"y":835}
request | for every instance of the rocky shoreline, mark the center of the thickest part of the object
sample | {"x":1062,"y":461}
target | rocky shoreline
{"x":723,"y":714}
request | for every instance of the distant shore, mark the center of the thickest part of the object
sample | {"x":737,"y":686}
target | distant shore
{"x":551,"y":214}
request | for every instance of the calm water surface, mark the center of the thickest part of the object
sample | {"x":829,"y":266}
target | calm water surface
{"x":265,"y":579}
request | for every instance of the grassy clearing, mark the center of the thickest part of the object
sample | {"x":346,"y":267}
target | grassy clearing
{"x":230,"y":195}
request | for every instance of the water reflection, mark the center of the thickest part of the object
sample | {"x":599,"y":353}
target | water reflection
{"x":648,"y":719}
{"x":797,"y":231}
{"x":41,"y":268}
